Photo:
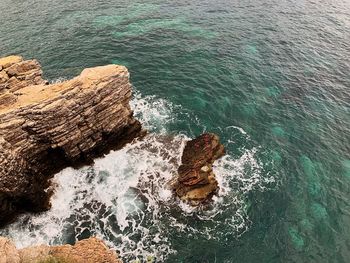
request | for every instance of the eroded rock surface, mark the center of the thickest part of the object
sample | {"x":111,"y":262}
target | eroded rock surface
{"x":44,"y":128}
{"x":15,"y":73}
{"x":196,"y":182}
{"x":90,"y":250}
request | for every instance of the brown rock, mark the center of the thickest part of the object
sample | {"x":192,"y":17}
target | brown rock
{"x":7,"y":99}
{"x":196,"y":181}
{"x":44,"y":128}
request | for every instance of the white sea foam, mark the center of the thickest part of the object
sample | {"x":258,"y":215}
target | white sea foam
{"x":238,"y":128}
{"x":58,"y":80}
{"x":155,"y":113}
{"x":123,"y":197}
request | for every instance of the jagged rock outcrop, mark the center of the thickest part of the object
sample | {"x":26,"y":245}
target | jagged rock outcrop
{"x":196,"y":181}
{"x":90,"y":250}
{"x":44,"y":128}
{"x":15,"y":73}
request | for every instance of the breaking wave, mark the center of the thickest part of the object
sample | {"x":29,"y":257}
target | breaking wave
{"x":123,"y":197}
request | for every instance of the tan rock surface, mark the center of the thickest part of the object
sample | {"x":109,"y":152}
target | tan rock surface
{"x":8,"y":251}
{"x":9,"y":61}
{"x":86,"y":251}
{"x":91,"y":250}
{"x":44,"y":128}
{"x":34,"y":254}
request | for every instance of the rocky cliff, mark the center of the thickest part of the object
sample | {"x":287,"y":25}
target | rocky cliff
{"x":90,"y":250}
{"x":44,"y":128}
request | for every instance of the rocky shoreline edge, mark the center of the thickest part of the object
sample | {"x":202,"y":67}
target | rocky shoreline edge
{"x":89,"y":250}
{"x":47,"y":127}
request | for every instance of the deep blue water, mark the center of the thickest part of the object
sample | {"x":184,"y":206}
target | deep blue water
{"x":272,"y":78}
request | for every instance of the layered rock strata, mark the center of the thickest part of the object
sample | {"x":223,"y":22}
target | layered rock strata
{"x":90,"y":250}
{"x":44,"y":128}
{"x":15,"y":73}
{"x":196,"y":182}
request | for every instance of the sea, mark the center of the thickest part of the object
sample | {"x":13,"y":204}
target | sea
{"x":270,"y":77}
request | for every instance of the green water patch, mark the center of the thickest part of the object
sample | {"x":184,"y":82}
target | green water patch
{"x":346,"y":167}
{"x":223,"y":104}
{"x":278,"y":131}
{"x":273,"y":91}
{"x":103,"y":21}
{"x":314,"y":128}
{"x":131,"y":12}
{"x":306,"y":225}
{"x":272,"y":160}
{"x":308,"y":71}
{"x":199,"y":103}
{"x":251,"y":49}
{"x":226,"y":102}
{"x":314,"y":184}
{"x":296,"y":238}
{"x":314,"y":187}
{"x":120,"y":62}
{"x":276,"y":157}
{"x":249,"y":110}
{"x":318,"y":211}
{"x":76,"y":17}
{"x":301,"y":205}
{"x":145,"y":26}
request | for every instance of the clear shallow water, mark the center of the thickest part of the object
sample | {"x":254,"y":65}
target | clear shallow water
{"x":271,"y":78}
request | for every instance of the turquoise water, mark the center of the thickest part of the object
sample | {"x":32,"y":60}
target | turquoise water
{"x":272,"y":78}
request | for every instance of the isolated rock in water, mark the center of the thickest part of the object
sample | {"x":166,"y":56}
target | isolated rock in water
{"x":90,"y":250}
{"x":196,"y":181}
{"x":44,"y":128}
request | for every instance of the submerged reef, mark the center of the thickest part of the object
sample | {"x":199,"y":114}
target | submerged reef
{"x":44,"y":128}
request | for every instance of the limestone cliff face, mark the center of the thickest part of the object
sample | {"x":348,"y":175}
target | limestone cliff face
{"x":90,"y":250}
{"x":44,"y":128}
